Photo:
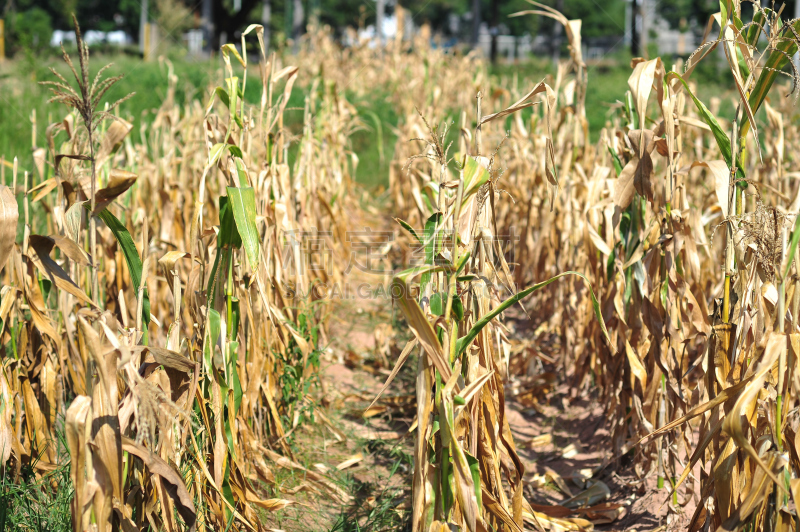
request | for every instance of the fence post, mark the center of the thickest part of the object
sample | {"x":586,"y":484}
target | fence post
{"x":2,"y":41}
{"x":146,"y":51}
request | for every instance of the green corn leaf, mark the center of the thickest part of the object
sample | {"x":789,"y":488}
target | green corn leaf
{"x":754,"y":30}
{"x":615,"y":159}
{"x":235,"y":150}
{"x":231,"y":49}
{"x":214,"y":154}
{"x":458,"y":308}
{"x":743,"y":68}
{"x":723,"y":141}
{"x":227,"y":492}
{"x":437,"y":303}
{"x":216,"y":151}
{"x":236,"y":316}
{"x":132,"y":259}
{"x":475,"y":176}
{"x":462,"y":261}
{"x":792,"y":246}
{"x":777,"y":59}
{"x":212,"y":279}
{"x":220,"y":93}
{"x":213,"y":330}
{"x":475,"y":470}
{"x":466,"y":340}
{"x":448,"y":497}
{"x":243,"y":202}
{"x":233,"y":377}
{"x":228,"y":232}
{"x":405,"y":225}
{"x":233,"y":95}
{"x":724,"y":11}
{"x":430,"y":246}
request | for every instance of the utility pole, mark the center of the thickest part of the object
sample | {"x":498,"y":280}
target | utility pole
{"x":143,"y":19}
{"x":2,"y":40}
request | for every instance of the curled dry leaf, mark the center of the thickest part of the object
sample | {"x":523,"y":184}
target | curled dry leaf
{"x":175,"y":486}
{"x":119,"y":181}
{"x":39,"y":252}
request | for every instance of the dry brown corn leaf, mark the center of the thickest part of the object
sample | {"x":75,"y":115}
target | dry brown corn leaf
{"x":759,"y":487}
{"x":39,"y":252}
{"x":416,"y":318}
{"x":641,"y":84}
{"x":42,"y":189}
{"x":597,"y":492}
{"x":119,"y":181}
{"x":74,"y":429}
{"x":571,"y":524}
{"x":174,"y":484}
{"x":776,"y":343}
{"x":493,"y":506}
{"x":723,"y":396}
{"x":399,"y":364}
{"x":9,"y":214}
{"x":117,"y":130}
{"x":353,"y":460}
{"x":6,"y":423}
{"x":72,"y":250}
{"x":165,"y":357}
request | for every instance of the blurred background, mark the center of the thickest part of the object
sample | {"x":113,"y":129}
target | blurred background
{"x":194,"y":27}
{"x":148,"y":39}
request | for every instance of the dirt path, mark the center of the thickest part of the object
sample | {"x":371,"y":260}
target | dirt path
{"x":563,"y":441}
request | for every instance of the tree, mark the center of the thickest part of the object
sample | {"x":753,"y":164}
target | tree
{"x":679,"y":13}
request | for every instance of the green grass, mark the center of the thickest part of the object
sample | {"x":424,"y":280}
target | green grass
{"x":21,"y":96}
{"x":37,"y":503}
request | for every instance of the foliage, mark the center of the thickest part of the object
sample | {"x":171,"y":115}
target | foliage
{"x":30,"y":31}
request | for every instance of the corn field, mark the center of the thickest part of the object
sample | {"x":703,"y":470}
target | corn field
{"x":163,"y":337}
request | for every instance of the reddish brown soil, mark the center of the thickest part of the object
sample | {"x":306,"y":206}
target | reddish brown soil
{"x":581,"y":422}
